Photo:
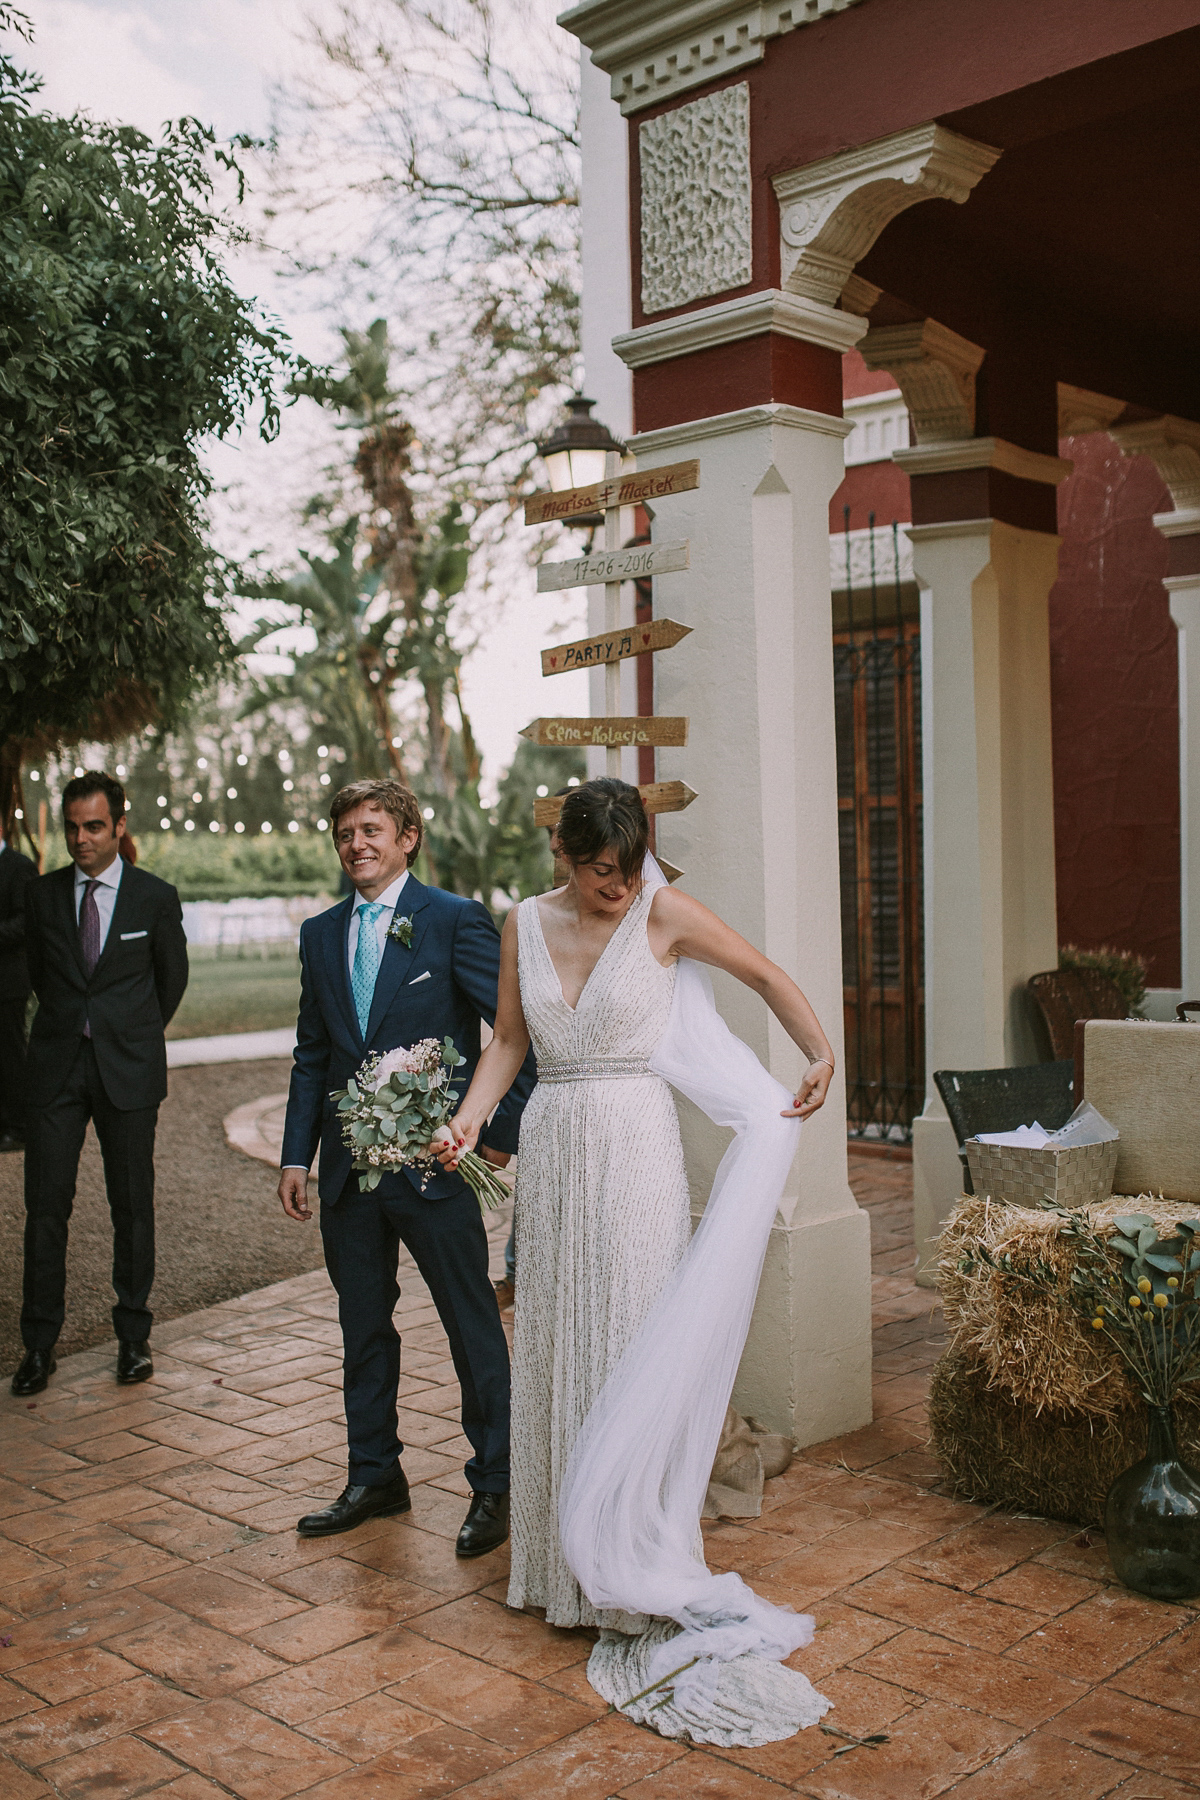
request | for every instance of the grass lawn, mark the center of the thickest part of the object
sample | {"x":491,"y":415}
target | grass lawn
{"x":248,"y":993}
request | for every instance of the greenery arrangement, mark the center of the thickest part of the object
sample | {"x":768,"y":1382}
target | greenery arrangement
{"x":1125,"y":967}
{"x":1134,"y":1286}
{"x":123,"y":345}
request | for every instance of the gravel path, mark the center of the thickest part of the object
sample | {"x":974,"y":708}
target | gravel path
{"x":220,"y":1230}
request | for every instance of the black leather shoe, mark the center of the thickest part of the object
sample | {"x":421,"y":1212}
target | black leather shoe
{"x":11,"y":1140}
{"x":133,"y":1361}
{"x":354,"y":1505}
{"x":485,"y":1526}
{"x":34,"y":1372}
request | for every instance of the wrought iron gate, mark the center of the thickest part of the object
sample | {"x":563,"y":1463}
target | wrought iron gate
{"x":877,"y":690}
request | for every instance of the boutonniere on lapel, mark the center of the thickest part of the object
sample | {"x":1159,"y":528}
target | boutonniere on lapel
{"x":401,"y":929}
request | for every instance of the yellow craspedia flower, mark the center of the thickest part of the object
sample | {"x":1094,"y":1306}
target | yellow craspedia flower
{"x":1172,"y":1281}
{"x":1144,"y":1286}
{"x":1099,"y":1312}
{"x":1135,"y":1300}
{"x":1161,"y":1300}
{"x":1097,"y":1324}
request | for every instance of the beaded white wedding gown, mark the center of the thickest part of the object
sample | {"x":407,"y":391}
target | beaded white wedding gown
{"x":602,"y":1222}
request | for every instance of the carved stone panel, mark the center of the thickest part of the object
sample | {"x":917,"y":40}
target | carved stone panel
{"x":696,"y":203}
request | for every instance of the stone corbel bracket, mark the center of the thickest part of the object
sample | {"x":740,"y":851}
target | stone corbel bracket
{"x":1173,"y":445}
{"x":832,"y":211}
{"x":935,"y":370}
{"x":1080,"y":411}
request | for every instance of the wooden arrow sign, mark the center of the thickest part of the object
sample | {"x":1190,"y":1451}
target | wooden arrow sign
{"x":607,"y":734}
{"x":622,"y":490}
{"x":630,"y":640}
{"x":634,"y":564}
{"x":657,"y":797}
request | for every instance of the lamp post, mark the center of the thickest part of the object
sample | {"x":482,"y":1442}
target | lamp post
{"x":576,"y":453}
{"x":579,"y":452}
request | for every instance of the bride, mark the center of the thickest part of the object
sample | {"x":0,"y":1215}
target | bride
{"x":626,"y":1338}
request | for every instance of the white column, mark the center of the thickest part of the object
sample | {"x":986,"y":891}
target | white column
{"x":1184,"y":593}
{"x":990,"y":912}
{"x":760,"y":847}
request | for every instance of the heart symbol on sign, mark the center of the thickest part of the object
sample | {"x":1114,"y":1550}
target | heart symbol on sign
{"x":645,"y":637}
{"x":554,"y":662}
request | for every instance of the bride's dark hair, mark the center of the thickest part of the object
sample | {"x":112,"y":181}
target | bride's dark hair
{"x":605,"y":817}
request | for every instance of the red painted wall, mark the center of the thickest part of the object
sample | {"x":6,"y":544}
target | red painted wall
{"x":1115,"y":699}
{"x":1114,"y":691}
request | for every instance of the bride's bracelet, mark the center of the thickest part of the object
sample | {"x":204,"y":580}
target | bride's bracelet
{"x":825,"y":1060}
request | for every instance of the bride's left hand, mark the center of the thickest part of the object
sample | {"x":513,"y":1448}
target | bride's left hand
{"x":811,"y":1093}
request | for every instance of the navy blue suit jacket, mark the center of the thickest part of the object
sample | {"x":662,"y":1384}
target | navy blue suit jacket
{"x":439,"y":986}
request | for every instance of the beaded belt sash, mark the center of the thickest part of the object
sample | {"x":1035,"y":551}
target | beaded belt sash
{"x":594,"y":1068}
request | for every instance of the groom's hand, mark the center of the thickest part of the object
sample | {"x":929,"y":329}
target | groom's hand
{"x":293,"y":1194}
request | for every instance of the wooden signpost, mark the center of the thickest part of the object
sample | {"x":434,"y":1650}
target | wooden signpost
{"x":634,"y":564}
{"x":607,"y":734}
{"x":613,"y":565}
{"x":629,"y":640}
{"x":615,"y":491}
{"x":657,"y":797}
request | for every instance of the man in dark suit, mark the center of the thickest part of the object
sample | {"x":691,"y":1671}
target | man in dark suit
{"x":16,"y":872}
{"x":395,"y":963}
{"x":108,"y":962}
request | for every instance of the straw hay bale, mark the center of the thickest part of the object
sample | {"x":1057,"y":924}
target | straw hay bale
{"x":1004,"y":1452}
{"x":1026,"y":1408}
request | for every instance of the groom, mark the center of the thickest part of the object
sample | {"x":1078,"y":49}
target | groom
{"x":397,"y":963}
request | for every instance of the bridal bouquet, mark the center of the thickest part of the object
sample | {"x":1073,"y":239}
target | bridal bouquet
{"x":395,"y":1114}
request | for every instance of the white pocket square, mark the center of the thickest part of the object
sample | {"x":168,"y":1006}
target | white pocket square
{"x":416,"y":978}
{"x":126,"y":935}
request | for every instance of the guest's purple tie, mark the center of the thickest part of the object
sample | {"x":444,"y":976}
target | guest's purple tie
{"x":89,"y":927}
{"x":89,"y":935}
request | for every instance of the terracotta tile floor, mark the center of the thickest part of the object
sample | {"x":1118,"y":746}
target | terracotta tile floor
{"x":163,"y":1630}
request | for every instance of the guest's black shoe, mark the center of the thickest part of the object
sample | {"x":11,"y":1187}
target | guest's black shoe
{"x":11,"y":1140}
{"x":485,"y":1526}
{"x":355,"y":1505}
{"x":34,"y":1372}
{"x":133,"y":1361}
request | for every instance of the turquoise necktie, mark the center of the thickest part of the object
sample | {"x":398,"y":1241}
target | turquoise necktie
{"x":366,"y":963}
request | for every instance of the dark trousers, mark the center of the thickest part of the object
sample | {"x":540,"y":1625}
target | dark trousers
{"x":52,"y":1147}
{"x":362,"y":1235}
{"x":12,"y":1065}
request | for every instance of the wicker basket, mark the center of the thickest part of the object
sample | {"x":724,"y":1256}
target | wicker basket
{"x":1075,"y":1175}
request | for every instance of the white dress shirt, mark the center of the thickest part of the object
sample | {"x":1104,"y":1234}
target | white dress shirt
{"x":105,"y":895}
{"x":387,"y":899}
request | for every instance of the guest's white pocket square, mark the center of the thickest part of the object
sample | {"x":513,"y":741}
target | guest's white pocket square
{"x":126,"y":935}
{"x":416,"y":978}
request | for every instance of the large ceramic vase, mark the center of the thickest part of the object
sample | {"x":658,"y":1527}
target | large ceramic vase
{"x":1152,"y":1519}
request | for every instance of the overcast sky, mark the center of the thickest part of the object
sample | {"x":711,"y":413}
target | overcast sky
{"x":142,"y":61}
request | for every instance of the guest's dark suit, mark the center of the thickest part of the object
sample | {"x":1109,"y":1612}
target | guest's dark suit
{"x":440,"y":986}
{"x":116,"y":1077}
{"x":16,"y":873}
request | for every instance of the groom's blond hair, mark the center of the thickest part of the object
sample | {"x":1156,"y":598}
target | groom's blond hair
{"x":391,"y":797}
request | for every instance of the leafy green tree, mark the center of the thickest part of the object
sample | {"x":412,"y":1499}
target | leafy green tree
{"x":418,"y":568}
{"x":123,"y":345}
